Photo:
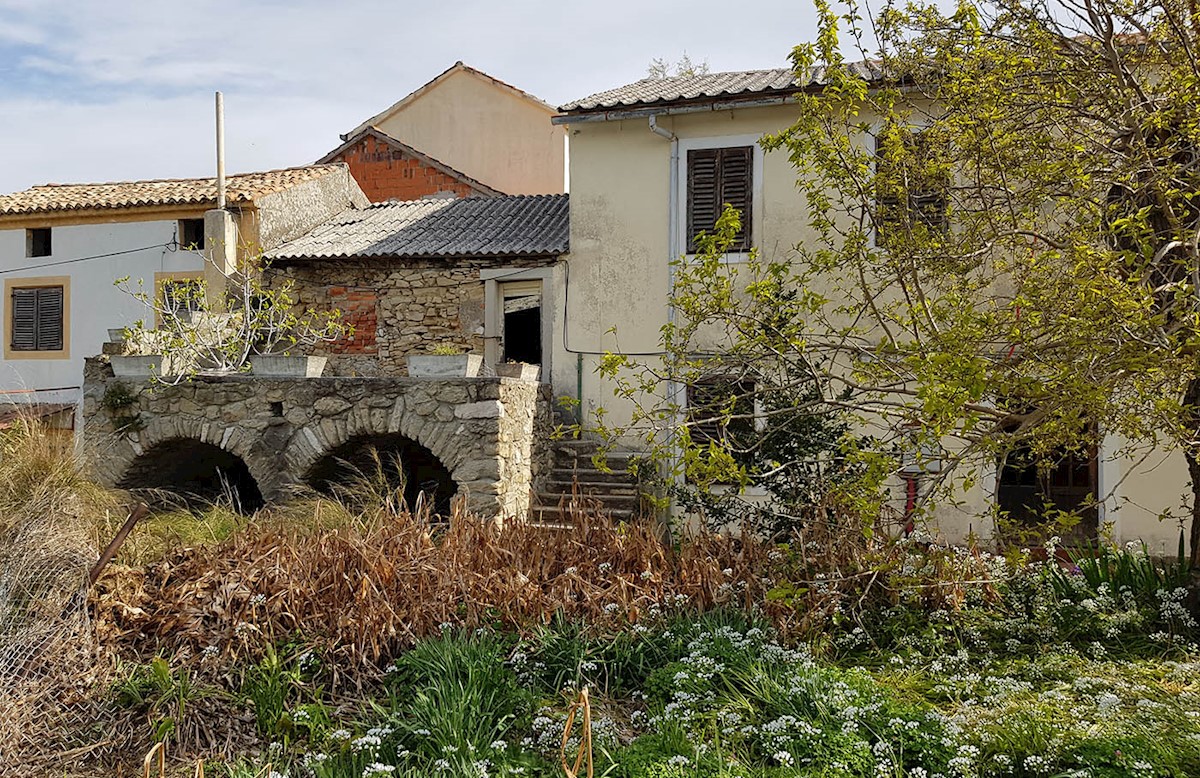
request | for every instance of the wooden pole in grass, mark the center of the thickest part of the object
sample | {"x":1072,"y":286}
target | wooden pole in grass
{"x":110,"y":550}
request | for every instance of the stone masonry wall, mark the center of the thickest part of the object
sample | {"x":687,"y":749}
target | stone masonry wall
{"x":487,"y":432}
{"x":398,"y":307}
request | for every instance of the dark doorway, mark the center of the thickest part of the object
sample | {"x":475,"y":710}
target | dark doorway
{"x":1031,"y":490}
{"x":523,"y":329}
{"x":379,"y":465}
{"x":194,"y":473}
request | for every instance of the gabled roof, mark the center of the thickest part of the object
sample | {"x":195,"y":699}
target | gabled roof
{"x":425,"y":159}
{"x":505,"y":226}
{"x":240,"y":189}
{"x":457,"y":67}
{"x":730,"y":87}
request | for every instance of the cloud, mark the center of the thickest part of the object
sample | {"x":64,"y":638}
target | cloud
{"x":123,"y":89}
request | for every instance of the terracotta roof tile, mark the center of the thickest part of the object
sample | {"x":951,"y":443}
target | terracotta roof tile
{"x":240,"y":189}
{"x":509,"y":225}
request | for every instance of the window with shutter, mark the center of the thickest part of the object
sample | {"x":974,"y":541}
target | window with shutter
{"x":37,"y":319}
{"x":182,"y":295}
{"x":716,"y":178}
{"x":910,"y":193}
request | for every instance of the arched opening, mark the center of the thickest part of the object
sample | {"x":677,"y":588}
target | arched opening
{"x":196,"y":473}
{"x":371,"y":463}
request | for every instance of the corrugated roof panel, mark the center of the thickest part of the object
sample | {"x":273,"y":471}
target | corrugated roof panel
{"x":512,"y":225}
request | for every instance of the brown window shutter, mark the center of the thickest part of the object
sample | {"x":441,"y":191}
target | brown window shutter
{"x":50,"y":318}
{"x":717,"y":177}
{"x":703,"y":195}
{"x":24,"y":319}
{"x":736,"y":167}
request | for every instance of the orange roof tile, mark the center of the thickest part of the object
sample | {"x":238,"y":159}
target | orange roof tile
{"x":240,"y":189}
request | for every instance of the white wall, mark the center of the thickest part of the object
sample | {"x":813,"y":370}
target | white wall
{"x":95,"y":303}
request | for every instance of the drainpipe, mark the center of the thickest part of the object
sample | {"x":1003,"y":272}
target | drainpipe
{"x":674,"y":388}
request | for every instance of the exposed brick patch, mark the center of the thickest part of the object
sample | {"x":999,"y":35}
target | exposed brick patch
{"x":387,"y":173}
{"x":360,"y":309}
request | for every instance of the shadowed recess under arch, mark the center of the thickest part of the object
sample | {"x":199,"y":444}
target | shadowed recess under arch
{"x":198,"y":473}
{"x":384,"y":460}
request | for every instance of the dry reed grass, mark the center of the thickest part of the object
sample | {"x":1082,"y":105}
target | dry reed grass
{"x":365,"y":589}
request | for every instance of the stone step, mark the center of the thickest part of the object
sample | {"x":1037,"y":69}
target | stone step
{"x":591,"y":476}
{"x":569,"y":485}
{"x":565,"y":517}
{"x":607,"y":500}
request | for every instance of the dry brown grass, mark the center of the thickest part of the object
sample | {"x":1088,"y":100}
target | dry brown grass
{"x":365,"y":589}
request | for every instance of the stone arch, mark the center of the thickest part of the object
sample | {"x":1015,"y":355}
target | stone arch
{"x":194,"y":472}
{"x":435,"y":442}
{"x":391,"y":459}
{"x":132,"y":455}
{"x":310,"y":444}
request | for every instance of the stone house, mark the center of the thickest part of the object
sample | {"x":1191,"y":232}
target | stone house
{"x":65,"y":245}
{"x":478,"y":274}
{"x":463,"y":133}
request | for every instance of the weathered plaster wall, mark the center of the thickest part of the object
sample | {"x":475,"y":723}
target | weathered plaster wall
{"x":398,"y":307}
{"x":486,"y":431}
{"x":94,"y":303}
{"x":620,"y":277}
{"x":289,"y":214}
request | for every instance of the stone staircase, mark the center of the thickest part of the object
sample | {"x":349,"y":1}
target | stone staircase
{"x":576,"y":486}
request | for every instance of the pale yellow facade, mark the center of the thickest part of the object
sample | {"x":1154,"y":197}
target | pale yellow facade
{"x":482,"y":127}
{"x":623,"y":238}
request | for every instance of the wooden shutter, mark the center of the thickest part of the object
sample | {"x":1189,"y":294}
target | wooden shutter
{"x":24,"y":319}
{"x":717,"y":177}
{"x":736,"y":167}
{"x":50,"y":318}
{"x":703,"y":186}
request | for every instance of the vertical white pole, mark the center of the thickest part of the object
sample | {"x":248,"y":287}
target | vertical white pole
{"x":220,"y":152}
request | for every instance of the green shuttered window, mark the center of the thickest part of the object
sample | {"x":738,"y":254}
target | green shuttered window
{"x":37,"y":319}
{"x":716,"y":177}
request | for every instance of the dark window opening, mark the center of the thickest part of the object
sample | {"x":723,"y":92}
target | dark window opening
{"x":191,"y":234}
{"x":37,"y":242}
{"x":277,"y":409}
{"x":182,"y":295}
{"x":359,"y":467}
{"x":195,"y":474}
{"x":37,"y":319}
{"x":1031,"y":490}
{"x":716,"y":178}
{"x":523,"y":330}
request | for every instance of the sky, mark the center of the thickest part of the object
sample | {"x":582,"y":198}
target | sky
{"x":123,"y":89}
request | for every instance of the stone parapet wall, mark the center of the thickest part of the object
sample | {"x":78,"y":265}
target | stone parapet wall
{"x":489,"y":433}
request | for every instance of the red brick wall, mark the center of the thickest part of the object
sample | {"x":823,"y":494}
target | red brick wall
{"x":360,"y":310}
{"x":385,"y":173}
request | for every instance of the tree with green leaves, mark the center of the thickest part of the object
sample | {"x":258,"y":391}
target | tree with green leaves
{"x":1007,"y":253}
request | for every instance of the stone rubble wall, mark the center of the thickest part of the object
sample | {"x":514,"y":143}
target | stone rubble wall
{"x":489,"y":433}
{"x":397,"y":307}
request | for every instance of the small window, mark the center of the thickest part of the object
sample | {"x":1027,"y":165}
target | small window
{"x":723,"y":410}
{"x":716,"y":178}
{"x":910,"y":190}
{"x":191,"y":234}
{"x":37,"y":242}
{"x":37,"y":318}
{"x":182,"y":295}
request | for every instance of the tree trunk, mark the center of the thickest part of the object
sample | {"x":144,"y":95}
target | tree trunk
{"x":1191,"y":408}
